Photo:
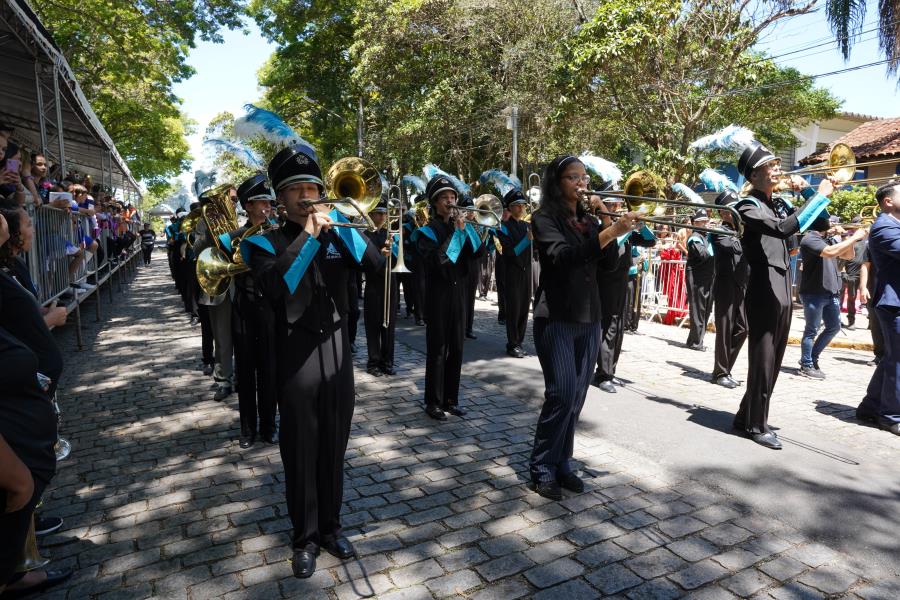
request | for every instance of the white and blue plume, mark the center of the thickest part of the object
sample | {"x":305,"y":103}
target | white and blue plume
{"x":732,"y":138}
{"x":259,"y":122}
{"x":462,"y":188}
{"x":203,"y":181}
{"x":601,"y":168}
{"x":414,"y":183}
{"x":502,"y":182}
{"x":717,"y":182}
{"x":245,"y":155}
{"x":680,"y":188}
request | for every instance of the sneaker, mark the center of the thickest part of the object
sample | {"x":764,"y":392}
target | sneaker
{"x":811,"y":372}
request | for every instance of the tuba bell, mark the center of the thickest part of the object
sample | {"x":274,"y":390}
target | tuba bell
{"x":215,"y":270}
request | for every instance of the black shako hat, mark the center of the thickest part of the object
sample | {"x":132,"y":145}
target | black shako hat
{"x":512,"y":197}
{"x":753,"y":156}
{"x":438,"y":184}
{"x":699,"y":214}
{"x":293,"y":165}
{"x":255,"y":188}
{"x":382,"y":206}
{"x":726,"y":197}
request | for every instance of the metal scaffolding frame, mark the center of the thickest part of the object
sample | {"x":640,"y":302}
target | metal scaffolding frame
{"x":41,"y":98}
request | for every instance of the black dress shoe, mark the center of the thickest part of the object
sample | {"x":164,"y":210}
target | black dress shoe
{"x":304,"y":564}
{"x":420,"y":322}
{"x":892,"y":428}
{"x":435,"y":413}
{"x":340,"y":547}
{"x":618,"y":382}
{"x":54,"y":577}
{"x":607,"y":386}
{"x":455,"y":411}
{"x":46,"y":525}
{"x":270,"y":437}
{"x":697,"y":347}
{"x":388,"y":370}
{"x":222,"y":392}
{"x":471,"y":336}
{"x":247,"y":441}
{"x":208,"y":370}
{"x":769,"y":440}
{"x":726,"y":382}
{"x":571,"y":482}
{"x":374,"y":371}
{"x":515,"y":353}
{"x":549,"y":490}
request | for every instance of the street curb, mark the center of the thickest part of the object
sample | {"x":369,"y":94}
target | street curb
{"x":795,"y":341}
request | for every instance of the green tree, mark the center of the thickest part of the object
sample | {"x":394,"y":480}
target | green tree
{"x":126,"y":56}
{"x":847,"y":204}
{"x":668,"y":71}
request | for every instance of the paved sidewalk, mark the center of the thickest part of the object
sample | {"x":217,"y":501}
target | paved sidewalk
{"x":160,"y":501}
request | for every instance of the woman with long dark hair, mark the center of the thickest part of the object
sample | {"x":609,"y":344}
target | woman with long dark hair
{"x":571,"y":247}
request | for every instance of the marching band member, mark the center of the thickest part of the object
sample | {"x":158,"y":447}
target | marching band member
{"x":700,"y":271}
{"x":613,"y":293}
{"x":768,"y":300}
{"x":732,"y":274}
{"x":881,"y":404}
{"x":380,"y":339}
{"x":500,"y":277}
{"x":515,"y":241}
{"x":254,"y":328}
{"x":444,"y":247}
{"x":566,"y":316}
{"x":302,"y":269}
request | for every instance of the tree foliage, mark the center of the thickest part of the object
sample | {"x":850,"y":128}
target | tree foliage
{"x":846,"y":203}
{"x":633,"y":80}
{"x":127,"y":56}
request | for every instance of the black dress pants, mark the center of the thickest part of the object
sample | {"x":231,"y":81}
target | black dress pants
{"x":516,"y":302}
{"x":731,"y":325}
{"x":353,"y":306}
{"x":612,"y":326}
{"x":769,"y":321}
{"x":471,"y":289}
{"x":500,"y":278}
{"x":254,"y":349}
{"x":316,"y":400}
{"x":699,"y":289}
{"x":206,"y":334}
{"x":443,"y":361}
{"x":850,"y":287}
{"x":380,"y":339}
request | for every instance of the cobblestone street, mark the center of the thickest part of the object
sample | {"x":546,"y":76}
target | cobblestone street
{"x":160,"y":501}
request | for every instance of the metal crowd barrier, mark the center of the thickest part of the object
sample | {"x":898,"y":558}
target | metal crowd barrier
{"x":663,"y":291}
{"x":58,"y":235}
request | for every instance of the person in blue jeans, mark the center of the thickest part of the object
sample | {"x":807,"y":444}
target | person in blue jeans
{"x":820,"y":288}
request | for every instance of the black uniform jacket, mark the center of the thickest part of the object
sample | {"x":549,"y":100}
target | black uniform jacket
{"x":731,"y":264}
{"x":765,"y":233}
{"x":568,"y":289}
{"x":296,"y":272}
{"x":444,"y":254}
{"x":515,"y":245}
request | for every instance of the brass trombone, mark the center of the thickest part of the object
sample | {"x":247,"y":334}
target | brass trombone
{"x":395,"y":204}
{"x":841,"y":166}
{"x":487,"y":210}
{"x":643,"y":194}
{"x":354,"y":187}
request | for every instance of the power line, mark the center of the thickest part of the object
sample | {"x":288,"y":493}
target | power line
{"x":797,"y":79}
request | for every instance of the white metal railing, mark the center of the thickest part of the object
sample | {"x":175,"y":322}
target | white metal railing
{"x":663,"y":290}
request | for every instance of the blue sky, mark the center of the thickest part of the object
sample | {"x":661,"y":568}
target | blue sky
{"x":226,"y":73}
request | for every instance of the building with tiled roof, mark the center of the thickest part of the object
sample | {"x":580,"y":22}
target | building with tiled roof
{"x":877,"y":139}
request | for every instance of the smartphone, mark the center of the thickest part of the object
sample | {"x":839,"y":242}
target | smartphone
{"x":13,"y":165}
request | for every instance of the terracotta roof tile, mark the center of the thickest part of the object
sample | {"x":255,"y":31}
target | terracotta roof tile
{"x":875,"y":139}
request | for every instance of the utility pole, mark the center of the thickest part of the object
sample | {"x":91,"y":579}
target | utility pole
{"x":514,"y":118}
{"x":359,"y":129}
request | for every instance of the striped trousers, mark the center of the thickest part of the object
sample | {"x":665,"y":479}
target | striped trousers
{"x":567,"y":353}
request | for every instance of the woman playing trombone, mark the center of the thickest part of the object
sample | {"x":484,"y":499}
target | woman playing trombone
{"x":566,"y":316}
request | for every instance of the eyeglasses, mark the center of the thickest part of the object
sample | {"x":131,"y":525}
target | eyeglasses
{"x":577,"y":178}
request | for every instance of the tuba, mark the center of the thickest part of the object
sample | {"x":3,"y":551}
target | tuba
{"x":219,"y":214}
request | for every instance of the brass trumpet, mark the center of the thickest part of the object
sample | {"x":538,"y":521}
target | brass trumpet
{"x":487,"y":210}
